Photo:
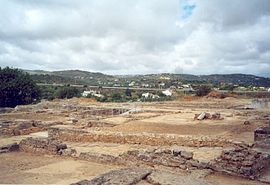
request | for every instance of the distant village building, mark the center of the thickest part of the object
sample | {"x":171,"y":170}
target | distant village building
{"x":150,"y":95}
{"x":86,"y":93}
{"x":145,"y":95}
{"x":161,"y":85}
{"x":269,"y":90}
{"x":155,"y":96}
{"x":167,"y":92}
{"x":93,"y":93}
{"x":131,"y":84}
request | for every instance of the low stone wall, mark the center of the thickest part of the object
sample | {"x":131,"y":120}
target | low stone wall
{"x":42,"y":146}
{"x":100,"y":158}
{"x":141,"y":138}
{"x":95,"y":123}
{"x":9,"y":148}
{"x":19,"y":127}
{"x":164,"y":157}
{"x":262,"y":133}
{"x":241,"y":161}
{"x":5,"y":110}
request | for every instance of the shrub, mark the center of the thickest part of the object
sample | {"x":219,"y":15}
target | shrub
{"x":67,"y":92}
{"x":17,"y":88}
{"x":203,"y":90}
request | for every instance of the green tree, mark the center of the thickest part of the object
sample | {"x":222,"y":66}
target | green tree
{"x":67,"y":92}
{"x":17,"y":88}
{"x":128,"y":92}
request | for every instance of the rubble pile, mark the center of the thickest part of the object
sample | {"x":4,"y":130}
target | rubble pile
{"x":206,"y":115}
{"x":241,"y":161}
{"x":42,"y":146}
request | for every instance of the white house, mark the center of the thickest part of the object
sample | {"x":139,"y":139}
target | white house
{"x":93,"y":93}
{"x":145,"y":95}
{"x":86,"y":93}
{"x":131,"y":84}
{"x":167,"y":92}
{"x":155,"y":96}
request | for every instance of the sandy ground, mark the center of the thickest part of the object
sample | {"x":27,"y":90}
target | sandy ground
{"x":25,"y":168}
{"x":231,"y":180}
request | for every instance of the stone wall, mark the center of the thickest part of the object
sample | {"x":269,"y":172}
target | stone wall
{"x":241,"y":161}
{"x":262,"y":133}
{"x":42,"y":146}
{"x":164,"y":157}
{"x":9,"y":148}
{"x":135,"y":138}
{"x":100,"y":158}
{"x":20,"y":127}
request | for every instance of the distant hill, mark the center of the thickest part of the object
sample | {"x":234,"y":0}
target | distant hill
{"x":240,"y":79}
{"x":92,"y":78}
{"x":70,"y":77}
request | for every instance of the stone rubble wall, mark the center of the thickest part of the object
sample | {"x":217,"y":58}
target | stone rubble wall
{"x":141,"y":138}
{"x":9,"y":148}
{"x":42,"y":146}
{"x":24,"y":127}
{"x":262,"y":133}
{"x":164,"y":157}
{"x":20,"y":127}
{"x":241,"y":161}
{"x":100,"y":158}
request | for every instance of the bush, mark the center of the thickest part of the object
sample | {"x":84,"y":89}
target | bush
{"x":116,"y":97}
{"x":48,"y":92}
{"x":203,"y":90}
{"x":17,"y":88}
{"x":67,"y":92}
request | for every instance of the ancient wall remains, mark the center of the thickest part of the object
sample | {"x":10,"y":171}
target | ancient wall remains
{"x":164,"y":157}
{"x":262,"y":133}
{"x":9,"y":148}
{"x":134,"y":138}
{"x":241,"y":161}
{"x":41,"y":146}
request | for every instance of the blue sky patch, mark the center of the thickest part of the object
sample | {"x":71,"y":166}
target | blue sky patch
{"x":187,"y":9}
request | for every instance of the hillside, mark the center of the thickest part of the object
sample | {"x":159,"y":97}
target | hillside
{"x":152,"y":80}
{"x":241,"y":79}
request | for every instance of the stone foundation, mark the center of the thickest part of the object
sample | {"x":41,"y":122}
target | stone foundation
{"x":9,"y":148}
{"x":42,"y":146}
{"x":19,"y":127}
{"x":262,"y":133}
{"x":141,"y":138}
{"x":164,"y":157}
{"x":241,"y":161}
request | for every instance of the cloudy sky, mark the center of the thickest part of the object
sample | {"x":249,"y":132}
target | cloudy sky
{"x":137,"y":36}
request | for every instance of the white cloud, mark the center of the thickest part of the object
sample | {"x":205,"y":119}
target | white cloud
{"x":132,"y":37}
